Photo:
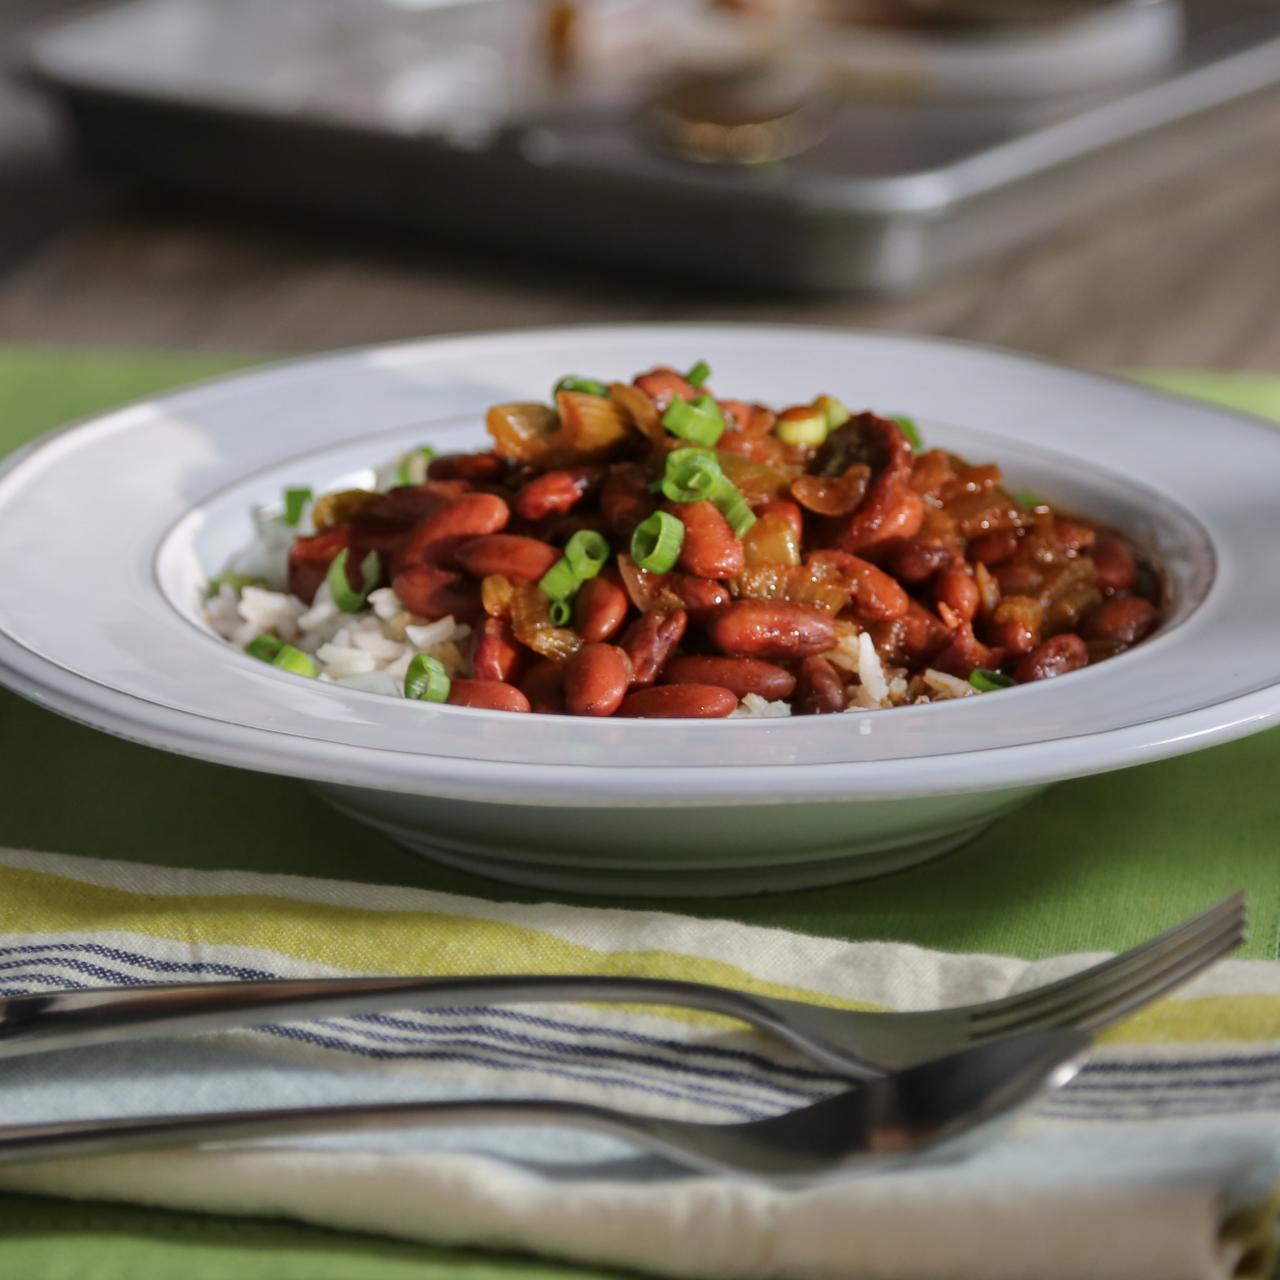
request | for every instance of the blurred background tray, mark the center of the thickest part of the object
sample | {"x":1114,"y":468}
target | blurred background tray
{"x":863,"y":158}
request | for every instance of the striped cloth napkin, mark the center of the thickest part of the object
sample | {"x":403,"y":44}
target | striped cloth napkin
{"x":1161,"y":1161}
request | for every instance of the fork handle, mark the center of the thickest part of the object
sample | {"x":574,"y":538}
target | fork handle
{"x":103,"y":1015}
{"x":134,"y":1133}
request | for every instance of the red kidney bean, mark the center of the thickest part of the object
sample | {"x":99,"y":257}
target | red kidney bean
{"x":994,"y":548}
{"x":964,"y":653}
{"x":922,"y":633}
{"x":700,"y":596}
{"x":741,"y":675}
{"x":492,"y":695}
{"x":518,"y":558}
{"x":475,"y":468}
{"x":381,"y":536}
{"x":1055,"y":657}
{"x":599,"y":609}
{"x":543,"y":685}
{"x":410,"y":503}
{"x":771,"y":629}
{"x":555,"y":492}
{"x":710,"y":548}
{"x":819,"y":688}
{"x":1121,"y":620}
{"x":1115,"y":564}
{"x":902,"y":517}
{"x":436,"y":593}
{"x":596,"y":679}
{"x":958,"y":591}
{"x":877,"y":597}
{"x":789,"y":511}
{"x":915,"y":561}
{"x":435,"y":538}
{"x":679,"y":701}
{"x":664,"y":385}
{"x":496,"y":654}
{"x":1015,"y":624}
{"x":1073,"y":535}
{"x":649,"y":641}
{"x":625,"y":499}
{"x":1018,"y":578}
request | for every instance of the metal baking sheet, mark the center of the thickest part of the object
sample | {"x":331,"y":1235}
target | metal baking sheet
{"x":437,"y":119}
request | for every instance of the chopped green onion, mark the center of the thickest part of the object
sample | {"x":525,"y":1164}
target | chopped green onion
{"x":561,"y":613}
{"x":987,"y":681}
{"x":699,"y":422}
{"x":264,"y":647}
{"x":340,"y":588}
{"x":426,"y":680}
{"x":1030,"y":499}
{"x":656,"y":543}
{"x":733,"y":506}
{"x":291,"y":659}
{"x":587,"y":552}
{"x":236,"y":581}
{"x":810,"y":429}
{"x":911,"y":431}
{"x":295,"y":503}
{"x":692,"y":475}
{"x":560,"y":582}
{"x":570,"y":382}
{"x":834,"y":412}
{"x":698,"y":374}
{"x":411,"y":470}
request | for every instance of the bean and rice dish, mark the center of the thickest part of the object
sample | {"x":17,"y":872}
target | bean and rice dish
{"x":647,"y":549}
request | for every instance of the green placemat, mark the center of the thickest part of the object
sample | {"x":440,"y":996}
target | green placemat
{"x":1099,"y":863}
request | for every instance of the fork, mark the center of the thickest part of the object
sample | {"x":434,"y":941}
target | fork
{"x":946,"y":1107}
{"x":855,"y":1043}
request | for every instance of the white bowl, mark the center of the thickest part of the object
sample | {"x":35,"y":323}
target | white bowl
{"x":111,"y":527}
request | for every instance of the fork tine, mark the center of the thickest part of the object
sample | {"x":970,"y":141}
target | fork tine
{"x":1092,"y":1010}
{"x":1067,"y":1007}
{"x":1117,"y":1010}
{"x":1139,"y":959}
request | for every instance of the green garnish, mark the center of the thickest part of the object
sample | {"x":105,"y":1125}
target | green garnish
{"x":987,"y":681}
{"x":694,"y":475}
{"x":733,"y":506}
{"x":691,"y":475}
{"x":236,"y":581}
{"x":810,"y":429}
{"x":426,"y":680}
{"x":586,"y":553}
{"x":656,"y":543}
{"x":834,"y":412}
{"x":340,"y":588}
{"x":699,"y":421}
{"x":911,"y":431}
{"x":294,"y":660}
{"x":1030,"y":499}
{"x":560,"y":582}
{"x":561,"y":612}
{"x":264,"y":647}
{"x":295,"y":503}
{"x":410,"y":470}
{"x":571,"y":382}
{"x":698,"y":374}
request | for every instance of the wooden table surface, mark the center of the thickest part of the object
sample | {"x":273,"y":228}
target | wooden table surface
{"x":1187,"y":275}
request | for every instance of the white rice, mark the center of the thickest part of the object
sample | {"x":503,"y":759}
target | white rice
{"x":754,"y":707}
{"x":941,"y":685}
{"x":369,"y":650}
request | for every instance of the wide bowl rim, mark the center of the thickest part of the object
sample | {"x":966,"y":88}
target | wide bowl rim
{"x":152,"y":722}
